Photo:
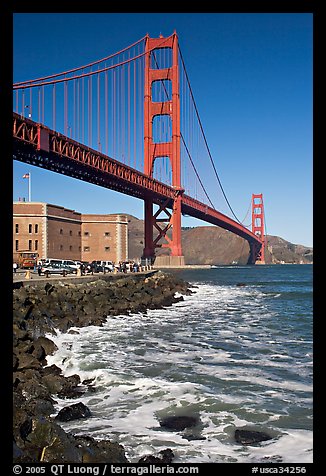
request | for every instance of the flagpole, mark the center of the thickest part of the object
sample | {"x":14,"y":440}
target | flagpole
{"x":29,"y":186}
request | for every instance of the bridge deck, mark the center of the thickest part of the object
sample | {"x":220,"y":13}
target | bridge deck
{"x":40,"y":146}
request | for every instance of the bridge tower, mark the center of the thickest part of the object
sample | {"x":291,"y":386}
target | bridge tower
{"x":171,"y":231}
{"x":257,"y":253}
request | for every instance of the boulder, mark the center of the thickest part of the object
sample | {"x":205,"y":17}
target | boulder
{"x":250,"y":437}
{"x":73,"y":412}
{"x":163,"y":457}
{"x":48,"y":345}
{"x":179,"y":423}
{"x":27,"y":361}
{"x":48,"y":442}
{"x":94,"y":451}
{"x":64,"y":387}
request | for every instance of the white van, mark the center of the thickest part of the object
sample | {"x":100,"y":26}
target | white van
{"x":71,"y":263}
{"x":51,"y":261}
{"x":66,"y":262}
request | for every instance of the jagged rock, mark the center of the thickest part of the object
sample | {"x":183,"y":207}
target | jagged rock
{"x":48,"y":442}
{"x":20,"y":334}
{"x":88,"y":381}
{"x":27,"y":361}
{"x":52,"y":370}
{"x":73,"y":412}
{"x":18,"y":284}
{"x":179,"y":423}
{"x":62,"y":386}
{"x":69,"y":388}
{"x":22,"y":456}
{"x":250,"y":437}
{"x":32,"y":386}
{"x":163,"y":457}
{"x":38,"y":311}
{"x":43,"y":407}
{"x":49,"y":288}
{"x":47,"y":344}
{"x":25,"y":428}
{"x":15,"y":362}
{"x":94,"y":451}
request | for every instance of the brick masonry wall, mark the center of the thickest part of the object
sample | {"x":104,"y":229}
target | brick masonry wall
{"x":58,"y":232}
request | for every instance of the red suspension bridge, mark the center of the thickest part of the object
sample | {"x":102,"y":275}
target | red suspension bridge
{"x":129,"y":122}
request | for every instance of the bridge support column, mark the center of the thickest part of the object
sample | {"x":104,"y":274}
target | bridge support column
{"x":175,"y":244}
{"x":257,"y":251}
{"x":149,"y":249}
{"x":255,"y":255}
{"x":168,"y":226}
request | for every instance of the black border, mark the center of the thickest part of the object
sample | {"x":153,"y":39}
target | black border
{"x":6,"y":76}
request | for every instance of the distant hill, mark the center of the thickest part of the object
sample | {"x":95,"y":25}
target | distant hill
{"x":213,"y":245}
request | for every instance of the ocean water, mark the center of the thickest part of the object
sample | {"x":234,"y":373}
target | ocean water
{"x":234,"y":356}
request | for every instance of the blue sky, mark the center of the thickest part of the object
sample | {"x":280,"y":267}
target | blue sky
{"x":251,"y":75}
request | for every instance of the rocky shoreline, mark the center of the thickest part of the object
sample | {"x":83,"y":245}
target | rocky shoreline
{"x":50,"y":306}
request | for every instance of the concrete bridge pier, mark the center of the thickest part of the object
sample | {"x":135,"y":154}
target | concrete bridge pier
{"x":256,"y":255}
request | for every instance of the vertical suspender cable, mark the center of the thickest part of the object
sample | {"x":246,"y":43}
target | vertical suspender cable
{"x":23,"y":103}
{"x":30,"y":102}
{"x":134,"y":125}
{"x":128,"y":102}
{"x":83,"y":110}
{"x":65,"y":107}
{"x":78,"y":111}
{"x":39,"y":104}
{"x":42,"y":104}
{"x":113,"y":111}
{"x":98,"y":114}
{"x":74,"y":111}
{"x":123,"y":125}
{"x":90,"y":112}
{"x":139,"y":156}
{"x":106,"y":125}
{"x":54,"y":107}
{"x":88,"y":107}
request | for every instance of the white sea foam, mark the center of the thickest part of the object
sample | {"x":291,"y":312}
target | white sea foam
{"x":214,"y":355}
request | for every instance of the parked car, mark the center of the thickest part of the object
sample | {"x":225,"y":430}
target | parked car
{"x":71,"y":263}
{"x":51,"y":261}
{"x":94,"y":267}
{"x":57,"y":268}
{"x":107,"y":265}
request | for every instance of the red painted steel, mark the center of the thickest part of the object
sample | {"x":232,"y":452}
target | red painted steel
{"x":258,"y":226}
{"x":57,"y":151}
{"x":38,"y":145}
{"x":53,"y":151}
{"x":153,"y":150}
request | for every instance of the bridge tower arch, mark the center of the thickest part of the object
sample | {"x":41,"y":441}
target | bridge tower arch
{"x":257,"y":252}
{"x":170,"y":232}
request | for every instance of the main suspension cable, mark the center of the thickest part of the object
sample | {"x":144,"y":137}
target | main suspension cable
{"x":205,"y":140}
{"x":89,"y":65}
{"x":184,"y":142}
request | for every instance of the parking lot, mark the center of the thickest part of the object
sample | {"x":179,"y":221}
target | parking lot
{"x":29,"y":276}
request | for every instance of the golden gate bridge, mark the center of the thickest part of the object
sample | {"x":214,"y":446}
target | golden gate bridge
{"x":129,"y":122}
